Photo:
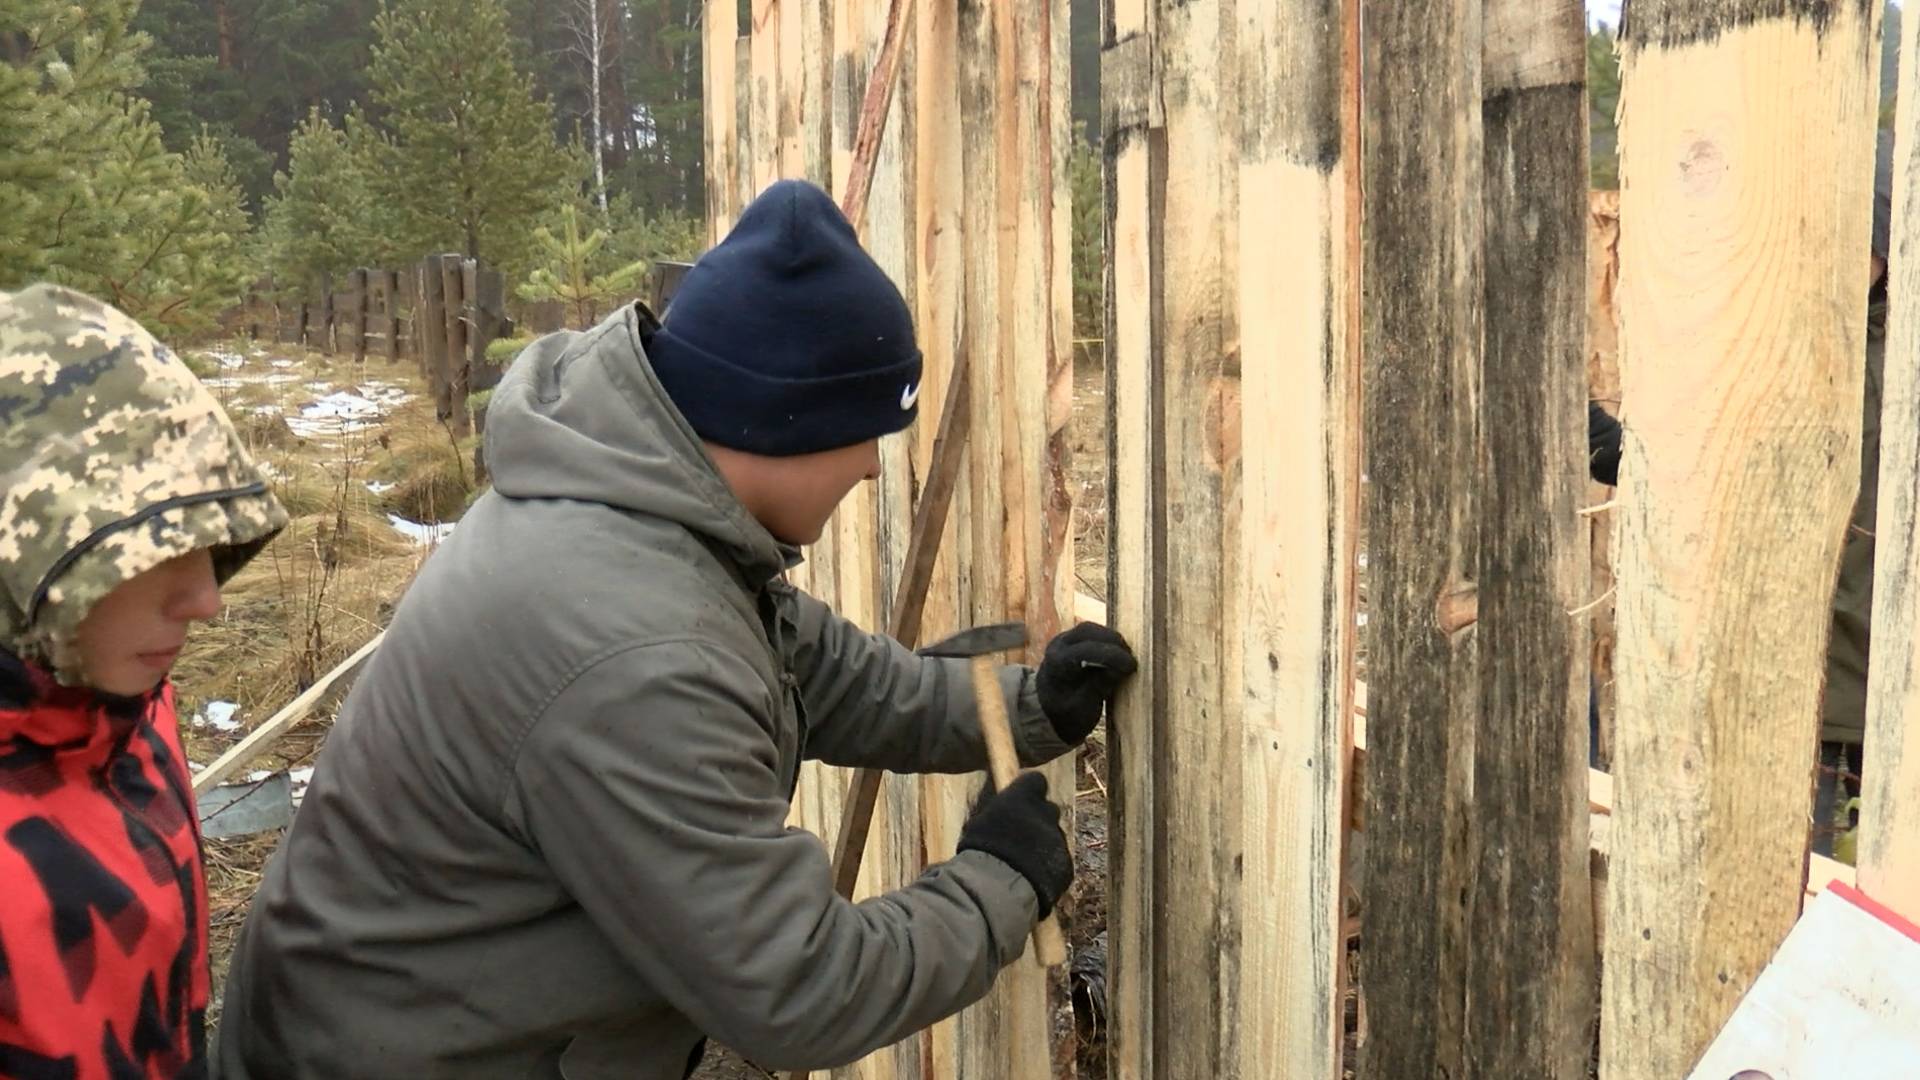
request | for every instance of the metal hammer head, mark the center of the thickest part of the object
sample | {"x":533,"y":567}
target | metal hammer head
{"x":980,"y":641}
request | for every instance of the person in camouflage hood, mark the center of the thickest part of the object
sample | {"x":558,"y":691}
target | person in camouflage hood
{"x":127,"y":502}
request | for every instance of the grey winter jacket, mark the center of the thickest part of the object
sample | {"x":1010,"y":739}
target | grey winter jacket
{"x":547,"y":836}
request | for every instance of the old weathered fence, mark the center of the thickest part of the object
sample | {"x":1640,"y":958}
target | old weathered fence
{"x":968,"y":212}
{"x":441,"y":312}
{"x":1257,"y":336}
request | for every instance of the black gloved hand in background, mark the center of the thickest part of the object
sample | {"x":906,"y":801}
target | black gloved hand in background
{"x":1021,"y":828}
{"x":1079,"y":673}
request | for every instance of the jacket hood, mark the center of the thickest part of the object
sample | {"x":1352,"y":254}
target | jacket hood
{"x":581,"y":415}
{"x":115,"y":459}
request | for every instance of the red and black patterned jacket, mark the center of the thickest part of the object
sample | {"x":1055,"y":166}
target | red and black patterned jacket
{"x":103,"y":908}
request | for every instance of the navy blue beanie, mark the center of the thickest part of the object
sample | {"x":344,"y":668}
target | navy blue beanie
{"x":787,"y":338}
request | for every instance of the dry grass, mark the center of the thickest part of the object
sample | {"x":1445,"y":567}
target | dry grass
{"x":324,"y":585}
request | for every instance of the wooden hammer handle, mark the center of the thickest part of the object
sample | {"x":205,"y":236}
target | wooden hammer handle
{"x":1004,"y":764}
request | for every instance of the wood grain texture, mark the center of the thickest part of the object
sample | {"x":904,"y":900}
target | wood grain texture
{"x":933,"y":95}
{"x":1422,"y":327}
{"x":454,"y":286}
{"x":1530,"y":988}
{"x":719,"y":30}
{"x":1196,"y":737}
{"x":1295,"y":634}
{"x":1742,"y":277}
{"x":430,"y":328}
{"x":1133,"y":152}
{"x":1889,"y":851}
{"x":764,"y":132}
{"x":743,"y":117}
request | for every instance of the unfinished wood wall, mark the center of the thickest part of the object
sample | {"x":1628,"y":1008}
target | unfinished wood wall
{"x":1746,"y":160}
{"x":1890,"y":819}
{"x":968,"y":212}
{"x":1234,"y":476}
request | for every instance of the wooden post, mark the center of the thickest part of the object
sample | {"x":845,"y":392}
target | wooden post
{"x":933,"y":95}
{"x":320,"y":321}
{"x":743,"y":118}
{"x":1889,"y":850}
{"x":719,"y":29}
{"x":1288,"y":628}
{"x":765,"y":66}
{"x":1530,"y":990}
{"x":390,"y":320}
{"x":1134,"y":147}
{"x":453,"y":275}
{"x":358,"y":286}
{"x":430,"y":332}
{"x":487,"y":298}
{"x":1745,"y":211}
{"x":1422,"y":326}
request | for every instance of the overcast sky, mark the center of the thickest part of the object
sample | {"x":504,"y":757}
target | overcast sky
{"x":1606,"y":11}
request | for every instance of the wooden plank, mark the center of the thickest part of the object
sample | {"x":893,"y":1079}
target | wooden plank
{"x":1036,"y":386}
{"x":939,"y":253}
{"x":1197,"y":743}
{"x":263,"y":736}
{"x":319,"y":330}
{"x":1133,"y":151}
{"x":390,"y":320}
{"x":719,"y":29}
{"x":1354,"y":778}
{"x":1530,"y":989}
{"x":743,"y":118}
{"x":1744,"y":205}
{"x":794,"y":78}
{"x":1295,"y":631}
{"x":487,"y":302}
{"x":357,"y":315}
{"x":764,"y":49}
{"x":454,"y":306}
{"x":430,"y":331}
{"x":1889,"y":849}
{"x":1422,"y":371}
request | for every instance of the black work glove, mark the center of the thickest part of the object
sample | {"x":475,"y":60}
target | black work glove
{"x":1021,"y":828}
{"x":1079,"y":673}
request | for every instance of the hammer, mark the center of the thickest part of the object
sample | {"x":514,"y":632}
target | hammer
{"x":977,"y":646}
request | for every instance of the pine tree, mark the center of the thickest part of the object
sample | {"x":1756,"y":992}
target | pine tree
{"x":323,"y":217}
{"x":89,"y":194}
{"x":575,"y":273}
{"x":471,"y":162}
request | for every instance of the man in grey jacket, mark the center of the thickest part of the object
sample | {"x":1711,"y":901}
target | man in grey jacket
{"x":548,"y":835}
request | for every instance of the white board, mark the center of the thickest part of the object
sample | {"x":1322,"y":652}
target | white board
{"x":1841,"y":999}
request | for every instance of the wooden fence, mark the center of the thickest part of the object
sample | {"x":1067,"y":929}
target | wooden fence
{"x":968,"y":212}
{"x":441,"y":312}
{"x":1289,"y":391}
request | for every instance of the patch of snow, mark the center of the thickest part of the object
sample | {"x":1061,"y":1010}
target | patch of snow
{"x":384,"y":394}
{"x":336,"y":414}
{"x":379,"y":487}
{"x":420,"y":534}
{"x":300,"y":778}
{"x":228,"y":360}
{"x":1360,"y":619}
{"x":218,"y":715}
{"x":256,"y":352}
{"x":257,"y":776}
{"x":223,"y":383}
{"x":268,"y":409}
{"x":319,"y":386}
{"x":277,"y":363}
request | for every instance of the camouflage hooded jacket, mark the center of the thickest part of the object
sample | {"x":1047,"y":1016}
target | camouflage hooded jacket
{"x":115,"y":459}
